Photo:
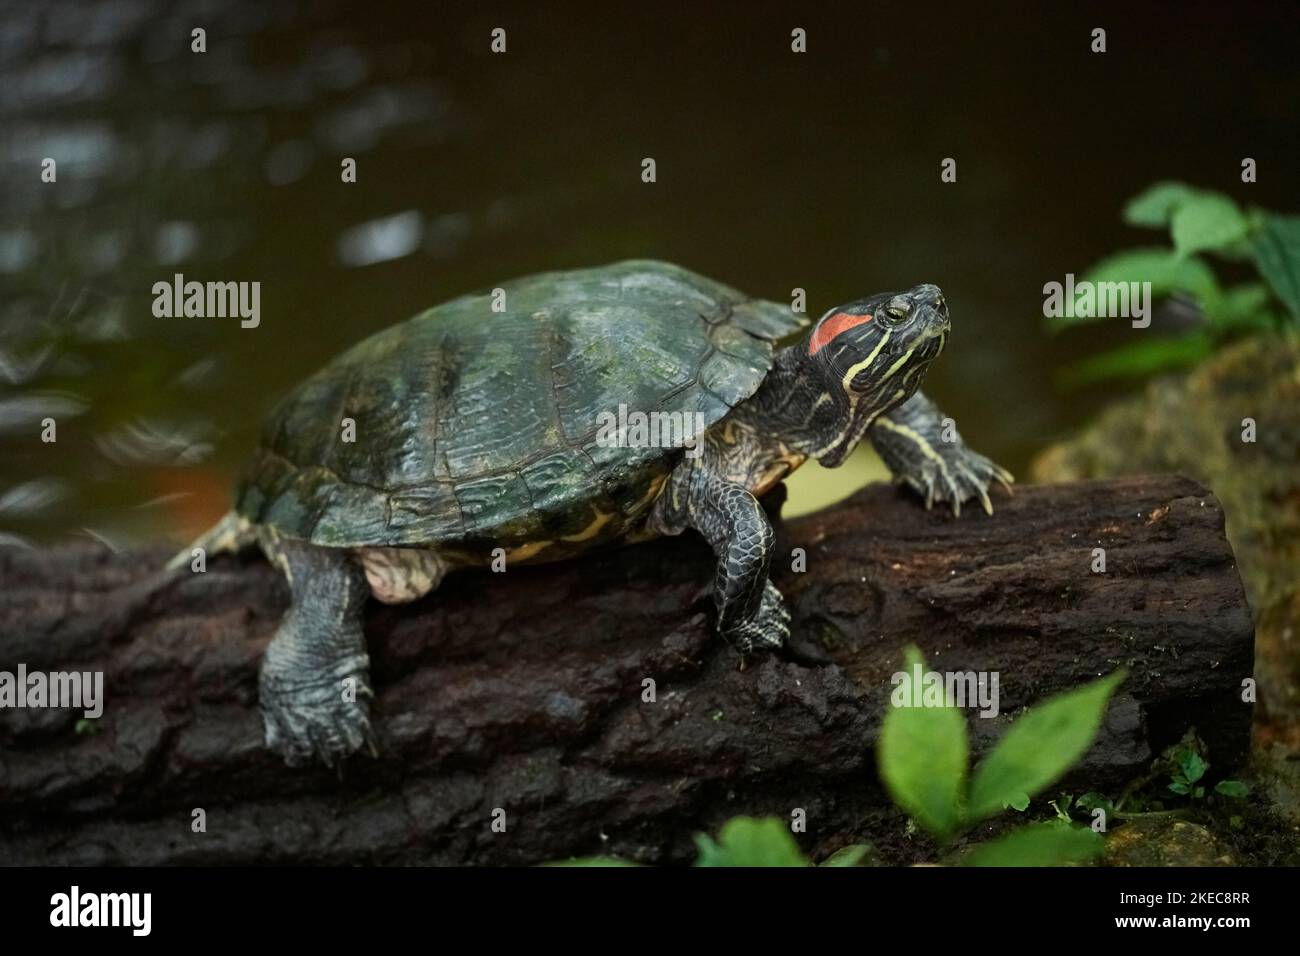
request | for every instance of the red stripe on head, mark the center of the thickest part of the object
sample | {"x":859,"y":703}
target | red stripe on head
{"x":832,"y":326}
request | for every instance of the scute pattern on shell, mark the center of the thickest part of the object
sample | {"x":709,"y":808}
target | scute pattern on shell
{"x":476,"y":429}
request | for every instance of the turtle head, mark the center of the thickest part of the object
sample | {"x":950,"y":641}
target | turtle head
{"x":868,"y":356}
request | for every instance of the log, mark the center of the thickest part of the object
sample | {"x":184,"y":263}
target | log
{"x":523,"y":691}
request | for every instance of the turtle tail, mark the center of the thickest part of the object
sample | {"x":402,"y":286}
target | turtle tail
{"x":228,"y":535}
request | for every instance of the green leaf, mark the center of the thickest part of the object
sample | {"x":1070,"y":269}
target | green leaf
{"x":847,"y":856}
{"x":1138,"y":359}
{"x":1243,"y":306}
{"x":1206,"y":221}
{"x":1180,"y":786}
{"x":1092,"y":800}
{"x":1277,"y":255}
{"x":1243,"y":250}
{"x":747,"y":841}
{"x":1040,"y":746}
{"x":1018,"y":803}
{"x":923,"y":754}
{"x":593,"y":861}
{"x":1040,"y":844}
{"x":1192,"y":765}
{"x":1155,"y":205}
{"x":1232,"y":788}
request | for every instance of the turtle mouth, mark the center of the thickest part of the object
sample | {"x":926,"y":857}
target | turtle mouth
{"x":922,"y":349}
{"x":934,"y":344}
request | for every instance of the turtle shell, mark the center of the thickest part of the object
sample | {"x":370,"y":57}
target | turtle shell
{"x":474,"y":429}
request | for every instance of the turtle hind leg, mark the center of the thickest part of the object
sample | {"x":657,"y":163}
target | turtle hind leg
{"x":314,"y":686}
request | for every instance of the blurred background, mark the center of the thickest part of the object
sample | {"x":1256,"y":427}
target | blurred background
{"x":775,"y":171}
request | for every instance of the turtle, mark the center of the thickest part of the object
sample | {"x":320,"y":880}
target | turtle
{"x":509,"y":426}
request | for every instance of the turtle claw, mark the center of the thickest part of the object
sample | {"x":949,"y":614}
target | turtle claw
{"x":1004,"y":478}
{"x":955,"y":494}
{"x":766,"y":630}
{"x":981,"y":489}
{"x":955,"y":476}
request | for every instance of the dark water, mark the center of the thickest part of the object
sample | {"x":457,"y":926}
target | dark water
{"x":775,"y":170}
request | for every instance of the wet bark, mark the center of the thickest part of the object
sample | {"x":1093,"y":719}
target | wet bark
{"x":522,"y":695}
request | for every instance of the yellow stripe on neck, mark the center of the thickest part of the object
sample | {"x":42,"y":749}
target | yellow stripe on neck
{"x":848,"y":376}
{"x":897,"y":365}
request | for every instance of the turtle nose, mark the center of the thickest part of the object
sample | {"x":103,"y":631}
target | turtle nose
{"x":927,"y":294}
{"x":930,"y":297}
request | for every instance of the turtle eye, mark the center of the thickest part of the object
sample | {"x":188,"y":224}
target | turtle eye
{"x":894,"y":314}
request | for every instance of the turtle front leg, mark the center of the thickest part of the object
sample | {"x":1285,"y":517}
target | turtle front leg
{"x":314,"y":686}
{"x":751,"y":611}
{"x":928,"y":455}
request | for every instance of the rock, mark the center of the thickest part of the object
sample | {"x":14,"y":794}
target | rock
{"x":1164,"y":841}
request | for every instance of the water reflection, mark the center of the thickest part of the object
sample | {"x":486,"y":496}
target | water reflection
{"x":775,"y":173}
{"x":381,"y":240}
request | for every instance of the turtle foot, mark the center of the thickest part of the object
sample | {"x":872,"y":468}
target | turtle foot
{"x":766,"y":630}
{"x":322,"y":715}
{"x":923,"y":450}
{"x":957,"y":475}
